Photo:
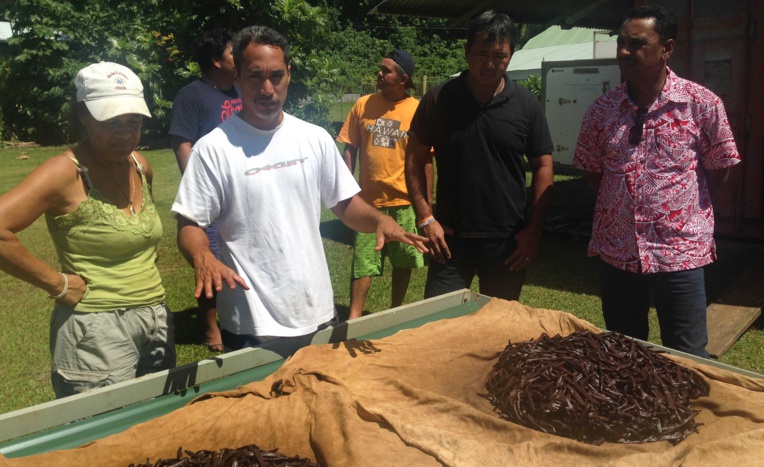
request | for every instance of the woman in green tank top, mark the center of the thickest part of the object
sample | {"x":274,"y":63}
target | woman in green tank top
{"x":109,"y":320}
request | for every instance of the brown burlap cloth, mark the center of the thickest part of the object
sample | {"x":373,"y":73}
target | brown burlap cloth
{"x":412,"y":399}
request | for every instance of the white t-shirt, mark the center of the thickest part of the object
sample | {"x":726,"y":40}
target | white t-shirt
{"x":264,"y":191}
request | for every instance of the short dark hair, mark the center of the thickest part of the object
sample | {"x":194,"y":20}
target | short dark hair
{"x":262,"y":35}
{"x":76,"y":129}
{"x":664,"y":20}
{"x":210,"y":46}
{"x":496,"y":25}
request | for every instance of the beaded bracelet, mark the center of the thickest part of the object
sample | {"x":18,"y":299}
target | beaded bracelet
{"x":66,"y":288}
{"x":427,"y":220}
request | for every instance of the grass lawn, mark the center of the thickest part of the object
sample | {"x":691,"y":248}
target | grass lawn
{"x":339,"y":111}
{"x":562,"y":278}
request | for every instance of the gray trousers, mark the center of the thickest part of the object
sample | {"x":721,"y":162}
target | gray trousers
{"x":92,"y":350}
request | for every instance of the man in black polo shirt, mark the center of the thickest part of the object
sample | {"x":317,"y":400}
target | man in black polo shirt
{"x":480,"y":125}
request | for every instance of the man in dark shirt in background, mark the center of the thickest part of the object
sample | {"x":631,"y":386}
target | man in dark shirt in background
{"x":481,"y":124}
{"x":197,"y":109}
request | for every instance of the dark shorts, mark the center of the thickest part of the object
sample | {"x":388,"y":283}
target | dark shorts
{"x":482,"y":257}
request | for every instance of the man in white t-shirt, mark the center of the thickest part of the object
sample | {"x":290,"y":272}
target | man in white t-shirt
{"x":262,"y":177}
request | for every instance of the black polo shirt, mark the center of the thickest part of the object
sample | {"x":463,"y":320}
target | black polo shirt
{"x":479,"y":150}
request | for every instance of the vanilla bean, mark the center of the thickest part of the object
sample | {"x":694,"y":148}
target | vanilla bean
{"x":246,"y":456}
{"x":595,"y":388}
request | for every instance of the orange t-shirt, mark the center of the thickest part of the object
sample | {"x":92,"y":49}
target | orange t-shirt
{"x":378,"y":128}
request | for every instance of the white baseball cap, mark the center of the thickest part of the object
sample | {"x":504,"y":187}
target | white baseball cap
{"x":109,"y":90}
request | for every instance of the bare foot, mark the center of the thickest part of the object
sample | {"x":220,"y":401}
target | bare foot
{"x":212,"y":339}
{"x":208,"y":317}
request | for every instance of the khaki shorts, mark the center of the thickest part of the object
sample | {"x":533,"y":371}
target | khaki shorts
{"x":92,"y":350}
{"x":367,"y":262}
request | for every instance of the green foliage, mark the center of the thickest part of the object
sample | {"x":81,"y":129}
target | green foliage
{"x":314,"y":75}
{"x":533,"y":84}
{"x":366,"y":52}
{"x":335,"y":49}
{"x":360,"y":41}
{"x":316,"y":83}
{"x":53,"y":39}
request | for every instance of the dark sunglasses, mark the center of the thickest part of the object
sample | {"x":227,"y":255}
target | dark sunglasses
{"x":635,"y":133}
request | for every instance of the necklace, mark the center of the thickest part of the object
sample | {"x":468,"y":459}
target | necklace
{"x":132,"y":184}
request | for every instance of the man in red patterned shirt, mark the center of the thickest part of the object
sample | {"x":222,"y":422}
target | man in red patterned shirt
{"x":651,"y":149}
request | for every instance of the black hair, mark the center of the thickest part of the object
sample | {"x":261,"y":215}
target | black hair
{"x":262,"y":35}
{"x":496,"y":25}
{"x":76,"y":128}
{"x":664,"y":21}
{"x":210,"y":46}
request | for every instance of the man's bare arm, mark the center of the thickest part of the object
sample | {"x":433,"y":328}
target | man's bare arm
{"x":542,"y":169}
{"x":182,"y":148}
{"x":417,"y":158}
{"x":350,"y":155}
{"x":362,"y":217}
{"x":542,"y":181}
{"x":429,"y":173}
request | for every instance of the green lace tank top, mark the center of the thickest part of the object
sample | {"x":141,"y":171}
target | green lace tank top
{"x":114,"y":252}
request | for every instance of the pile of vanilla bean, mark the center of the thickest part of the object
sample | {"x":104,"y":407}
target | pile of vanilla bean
{"x":595,"y":387}
{"x":246,"y":456}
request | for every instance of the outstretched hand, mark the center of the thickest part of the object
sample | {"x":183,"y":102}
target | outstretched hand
{"x":211,"y":275}
{"x":389,"y":231}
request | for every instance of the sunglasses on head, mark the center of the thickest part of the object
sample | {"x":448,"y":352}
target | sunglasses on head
{"x":635,"y":132}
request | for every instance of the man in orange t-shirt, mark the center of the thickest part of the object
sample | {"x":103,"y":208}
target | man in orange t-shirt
{"x":378,"y":125}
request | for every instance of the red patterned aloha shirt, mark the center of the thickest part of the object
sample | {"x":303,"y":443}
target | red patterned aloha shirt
{"x":653,"y":211}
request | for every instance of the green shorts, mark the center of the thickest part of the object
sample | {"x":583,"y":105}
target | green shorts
{"x":367,"y":262}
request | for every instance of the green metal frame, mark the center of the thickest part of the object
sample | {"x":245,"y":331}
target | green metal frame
{"x":75,"y":420}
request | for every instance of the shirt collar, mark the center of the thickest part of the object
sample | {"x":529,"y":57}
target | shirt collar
{"x":672,"y":91}
{"x":504,"y":95}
